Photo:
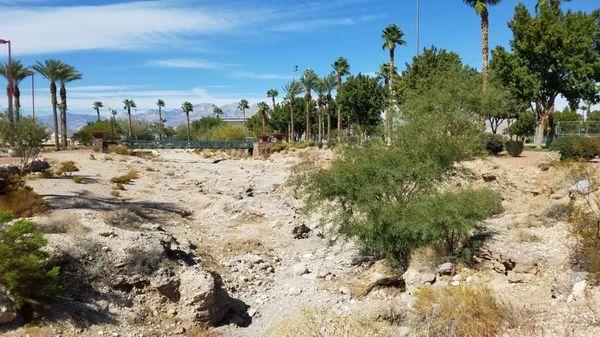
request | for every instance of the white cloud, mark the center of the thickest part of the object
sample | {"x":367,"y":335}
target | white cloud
{"x":259,"y":76}
{"x":186,"y":63}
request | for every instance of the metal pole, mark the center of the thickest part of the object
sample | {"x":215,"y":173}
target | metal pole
{"x":33,"y":95}
{"x":417,"y":27}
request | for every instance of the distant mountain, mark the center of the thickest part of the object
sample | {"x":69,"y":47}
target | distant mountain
{"x":74,"y":121}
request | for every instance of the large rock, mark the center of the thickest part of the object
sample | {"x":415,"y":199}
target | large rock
{"x":7,"y":313}
{"x":203,"y":298}
{"x":581,"y":187}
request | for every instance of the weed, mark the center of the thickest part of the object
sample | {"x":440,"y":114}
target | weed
{"x":67,"y":167}
{"x":126,"y":178}
{"x":78,"y":180}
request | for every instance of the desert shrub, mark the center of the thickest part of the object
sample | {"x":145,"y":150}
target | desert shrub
{"x":22,"y":202}
{"x":47,"y":174}
{"x":121,"y":149}
{"x":26,"y":138}
{"x":494,"y":144}
{"x":25,"y":270}
{"x":123,"y":218}
{"x":227,"y":132}
{"x":61,"y":222}
{"x":68,"y":167}
{"x":78,"y":180}
{"x":576,"y":147}
{"x":514,"y":147}
{"x":586,"y":226}
{"x":126,"y":178}
{"x":119,"y":187}
{"x":461,"y":311}
{"x":115,"y":193}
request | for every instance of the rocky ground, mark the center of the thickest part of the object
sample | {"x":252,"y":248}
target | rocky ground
{"x":222,"y":240}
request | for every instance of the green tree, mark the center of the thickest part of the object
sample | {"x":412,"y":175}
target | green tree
{"x":50,"y":69}
{"x":129,"y":104}
{"x":97,"y":105}
{"x":187,"y":107}
{"x":263,"y":111}
{"x":309,"y":82}
{"x":363,"y":98}
{"x":18,"y":74}
{"x":321,"y":90}
{"x":553,"y":53}
{"x":341,"y":68}
{"x":67,"y":74}
{"x":218,"y":112}
{"x":272,"y":93}
{"x":567,"y":115}
{"x":243,"y":106}
{"x":481,"y":8}
{"x":392,"y":36}
{"x":292,"y":89}
{"x":524,"y":126}
{"x":496,"y":104}
{"x":27,"y":138}
{"x":384,"y":73}
{"x":329,"y":82}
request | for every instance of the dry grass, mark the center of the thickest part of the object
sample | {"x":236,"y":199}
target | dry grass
{"x":115,"y":193}
{"x":123,"y":218}
{"x":62,"y":222}
{"x":462,"y":311}
{"x":427,"y":256}
{"x":78,"y":179}
{"x":22,"y":203}
{"x":523,"y":236}
{"x":67,"y":167}
{"x":126,"y":178}
{"x":323,"y":323}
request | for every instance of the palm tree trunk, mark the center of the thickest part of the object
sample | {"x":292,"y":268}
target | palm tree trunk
{"x":388,"y":114}
{"x":262,"y":125}
{"x":98,"y":113}
{"x":63,"y":114}
{"x":129,"y":122}
{"x":273,"y":102}
{"x":292,"y":135}
{"x":339,"y":112}
{"x":484,"y":47}
{"x":54,"y":114}
{"x":329,"y":115}
{"x":17,"y":95}
{"x":160,"y":122}
{"x":308,"y":99}
{"x":244,"y":113}
{"x":9,"y":115}
{"x":320,"y":137}
{"x":188,"y":124}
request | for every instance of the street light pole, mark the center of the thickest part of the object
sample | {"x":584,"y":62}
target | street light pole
{"x":32,"y":96}
{"x":10,"y":83}
{"x":417,"y":27}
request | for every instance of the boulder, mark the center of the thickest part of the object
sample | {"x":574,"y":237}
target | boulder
{"x":301,"y":231}
{"x":202,"y":297}
{"x":299,"y":269}
{"x":446,"y":269}
{"x":580,"y":187}
{"x":7,"y":313}
{"x":428,"y":278}
{"x":488,"y":177}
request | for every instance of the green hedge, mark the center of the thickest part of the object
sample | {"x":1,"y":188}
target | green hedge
{"x":577,"y":147}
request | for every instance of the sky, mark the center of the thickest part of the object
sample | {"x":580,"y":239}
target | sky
{"x":222,"y":51}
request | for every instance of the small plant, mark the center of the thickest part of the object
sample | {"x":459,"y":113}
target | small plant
{"x":494,"y":144}
{"x":514,"y":147}
{"x":115,"y":193}
{"x":78,"y":180}
{"x":119,"y":187}
{"x":68,"y":167}
{"x":61,"y":222}
{"x":47,"y":174}
{"x":23,"y":202}
{"x":126,"y":178}
{"x":25,"y":270}
{"x":123,"y":218}
{"x":121,"y":149}
{"x":461,"y":311}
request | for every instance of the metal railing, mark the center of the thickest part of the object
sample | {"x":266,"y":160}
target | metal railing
{"x":578,"y":128}
{"x":193,"y":144}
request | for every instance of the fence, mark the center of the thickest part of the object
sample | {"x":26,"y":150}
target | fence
{"x":578,"y":128}
{"x":193,"y":144}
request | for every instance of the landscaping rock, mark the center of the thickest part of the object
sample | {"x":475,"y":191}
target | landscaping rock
{"x":299,"y":269}
{"x":580,"y":187}
{"x":446,"y":269}
{"x":7,"y":313}
{"x":578,"y":291}
{"x":428,"y":278}
{"x":300,"y":231}
{"x":203,"y":298}
{"x":488,"y":177}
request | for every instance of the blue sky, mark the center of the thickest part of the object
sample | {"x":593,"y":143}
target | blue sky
{"x":222,"y":51}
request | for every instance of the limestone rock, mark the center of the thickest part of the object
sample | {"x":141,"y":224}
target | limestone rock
{"x":203,"y":298}
{"x":446,"y":269}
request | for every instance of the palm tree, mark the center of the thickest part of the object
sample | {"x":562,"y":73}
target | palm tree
{"x":97,"y":105}
{"x":18,"y":74}
{"x":218,"y":112}
{"x":554,"y":3}
{"x":330,"y":83}
{"x":321,"y":90}
{"x":342,"y":68}
{"x":392,"y":36}
{"x":309,"y":82}
{"x":161,"y":104}
{"x":384,"y":73}
{"x":187,"y":107}
{"x":67,"y":74}
{"x":242,"y":106}
{"x":50,"y":69}
{"x":263,"y":109}
{"x":113,"y":117}
{"x":481,"y":8}
{"x":292,"y":89}
{"x":129,"y":104}
{"x":272,"y":93}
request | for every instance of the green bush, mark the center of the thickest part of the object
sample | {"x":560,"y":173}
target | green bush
{"x":227,"y":132}
{"x":25,"y":270}
{"x":524,"y":126}
{"x":494,"y":144}
{"x":514,"y":147}
{"x":576,"y":147}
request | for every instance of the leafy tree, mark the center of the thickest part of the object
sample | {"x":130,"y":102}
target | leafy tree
{"x":67,"y":74}
{"x":50,"y":69}
{"x":363,"y":98}
{"x":481,"y":7}
{"x":309,"y":82}
{"x":292,"y":89}
{"x":129,"y":104}
{"x":242,"y":106}
{"x":272,"y":93}
{"x":27,"y":138}
{"x":97,"y":105}
{"x":496,"y":104}
{"x":187,"y":107}
{"x":341,"y":68}
{"x":104,"y":127}
{"x":201,"y":126}
{"x":553,"y":53}
{"x":524,"y":126}
{"x":567,"y":115}
{"x":594,"y":116}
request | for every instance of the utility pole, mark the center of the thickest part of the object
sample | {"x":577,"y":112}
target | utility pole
{"x":417,"y":27}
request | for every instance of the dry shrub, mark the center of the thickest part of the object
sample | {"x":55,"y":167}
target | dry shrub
{"x":126,"y":178}
{"x":119,"y":187}
{"x":22,"y":203}
{"x":115,"y":193}
{"x":325,"y":323}
{"x":461,"y":311}
{"x":123,"y":218}
{"x":67,"y":167}
{"x":122,"y":150}
{"x":523,"y":236}
{"x":144,"y":154}
{"x":78,"y":180}
{"x":61,"y":222}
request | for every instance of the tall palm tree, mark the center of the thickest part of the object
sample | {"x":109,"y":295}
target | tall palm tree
{"x":342,"y":68}
{"x":67,"y":74}
{"x":97,"y":105}
{"x":161,"y":122}
{"x":218,"y":112}
{"x":129,"y":104}
{"x":113,"y":118}
{"x":18,"y":74}
{"x":321,"y":89}
{"x":292,"y":89}
{"x":384,"y":73}
{"x":272,"y":93}
{"x":554,"y":3}
{"x":50,"y":69}
{"x":309,"y":82}
{"x":263,"y":109}
{"x":392,"y":36}
{"x":187,"y":107}
{"x":481,"y":8}
{"x":242,"y":106}
{"x":330,"y":82}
